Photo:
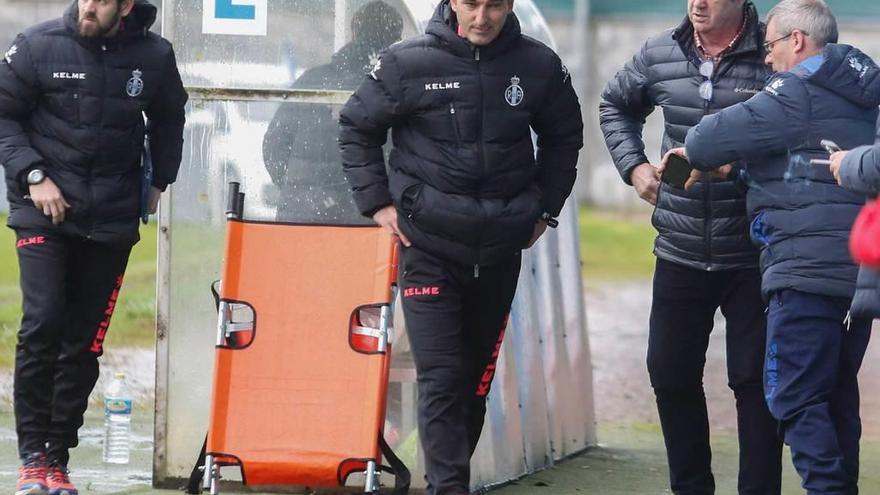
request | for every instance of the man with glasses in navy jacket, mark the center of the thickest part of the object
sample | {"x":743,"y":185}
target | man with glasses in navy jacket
{"x":802,"y":219}
{"x":705,"y":260}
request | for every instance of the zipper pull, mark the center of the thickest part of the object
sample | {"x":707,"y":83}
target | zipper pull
{"x":477,"y":54}
{"x":103,"y":48}
{"x":477,"y":271}
{"x":452,"y":108}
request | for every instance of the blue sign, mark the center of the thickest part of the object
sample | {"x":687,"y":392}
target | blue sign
{"x":236,"y":17}
{"x":225,"y":9}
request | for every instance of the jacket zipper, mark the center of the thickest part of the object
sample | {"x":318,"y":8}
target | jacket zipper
{"x":76,"y":108}
{"x":99,"y":146}
{"x":482,"y":149}
{"x":455,"y":128}
{"x":707,"y":196}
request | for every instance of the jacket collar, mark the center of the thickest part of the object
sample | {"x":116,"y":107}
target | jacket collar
{"x":444,"y":25}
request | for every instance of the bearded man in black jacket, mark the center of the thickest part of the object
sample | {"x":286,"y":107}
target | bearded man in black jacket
{"x":705,"y":259}
{"x":73,"y":95}
{"x":465,"y":193}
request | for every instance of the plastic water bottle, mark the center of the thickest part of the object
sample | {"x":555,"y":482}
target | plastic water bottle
{"x":117,"y":421}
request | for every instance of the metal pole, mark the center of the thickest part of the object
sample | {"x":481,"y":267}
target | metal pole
{"x":163,"y":305}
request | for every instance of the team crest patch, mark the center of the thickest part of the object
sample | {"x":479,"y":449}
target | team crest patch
{"x":135,"y":86}
{"x":9,"y":53}
{"x":514,"y":93}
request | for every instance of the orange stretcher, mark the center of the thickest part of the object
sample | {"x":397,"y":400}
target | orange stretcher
{"x":303,"y":354}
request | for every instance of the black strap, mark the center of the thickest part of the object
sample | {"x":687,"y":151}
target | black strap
{"x":215,"y":291}
{"x":194,"y":485}
{"x":402,"y":476}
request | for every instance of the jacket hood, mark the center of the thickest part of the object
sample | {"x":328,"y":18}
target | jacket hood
{"x":136,"y":23}
{"x":444,"y":25}
{"x":848,"y":72}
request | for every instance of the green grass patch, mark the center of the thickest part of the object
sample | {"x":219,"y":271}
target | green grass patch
{"x":134,"y":319}
{"x":616,"y":246}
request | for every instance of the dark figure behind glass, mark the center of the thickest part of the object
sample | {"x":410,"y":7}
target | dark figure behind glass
{"x":300,"y":149}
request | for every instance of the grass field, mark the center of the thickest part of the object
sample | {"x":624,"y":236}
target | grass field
{"x":613,"y":247}
{"x":133,"y":322}
{"x":616,"y":247}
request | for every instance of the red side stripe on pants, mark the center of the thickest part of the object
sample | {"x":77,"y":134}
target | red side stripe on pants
{"x":489,"y":372}
{"x":98,"y":343}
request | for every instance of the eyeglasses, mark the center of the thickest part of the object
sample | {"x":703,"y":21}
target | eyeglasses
{"x":768,"y":45}
{"x":707,"y":68}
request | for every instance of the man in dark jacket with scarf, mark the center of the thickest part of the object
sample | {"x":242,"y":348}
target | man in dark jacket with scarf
{"x":802,"y":219}
{"x":465,"y":193}
{"x":705,"y":261}
{"x":73,"y":94}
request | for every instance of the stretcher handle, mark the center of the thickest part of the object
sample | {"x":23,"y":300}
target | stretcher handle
{"x":234,"y":204}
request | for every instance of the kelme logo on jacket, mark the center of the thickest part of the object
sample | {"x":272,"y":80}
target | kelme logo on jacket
{"x":514,"y":93}
{"x":442,"y":86}
{"x":69,"y":75}
{"x":9,"y":53}
{"x":135,"y":85}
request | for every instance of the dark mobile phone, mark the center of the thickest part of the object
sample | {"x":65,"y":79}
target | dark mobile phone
{"x":677,"y":171}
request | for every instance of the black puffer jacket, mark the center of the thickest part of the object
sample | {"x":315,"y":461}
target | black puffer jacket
{"x":704,"y":228}
{"x":75,"y":106}
{"x":463,"y":172}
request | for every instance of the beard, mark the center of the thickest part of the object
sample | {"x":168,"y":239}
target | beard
{"x":96,"y":29}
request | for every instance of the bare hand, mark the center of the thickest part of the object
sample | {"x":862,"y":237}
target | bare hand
{"x":540,"y":228}
{"x":48,"y":199}
{"x":387,"y":219}
{"x":682,"y":152}
{"x":645,"y":179}
{"x":697,"y":175}
{"x":836,"y":160}
{"x":153,"y":204}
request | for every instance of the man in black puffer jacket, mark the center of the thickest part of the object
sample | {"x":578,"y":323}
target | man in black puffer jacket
{"x":73,"y":94}
{"x":801,"y":218}
{"x":465,"y":193}
{"x":705,"y":261}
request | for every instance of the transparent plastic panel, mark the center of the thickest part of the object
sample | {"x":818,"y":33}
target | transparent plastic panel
{"x":327,"y":41}
{"x":284,"y":155}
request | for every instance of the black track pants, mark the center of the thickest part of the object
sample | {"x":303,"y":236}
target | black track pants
{"x":455,"y":318}
{"x":682,"y":317}
{"x":69,"y":287}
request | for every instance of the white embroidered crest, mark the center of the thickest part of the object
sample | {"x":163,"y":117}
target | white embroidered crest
{"x":376,"y":68}
{"x":858,"y":66}
{"x":135,"y":86}
{"x":9,"y":53}
{"x":514,"y":93}
{"x":774,"y":86}
{"x":373,"y":62}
